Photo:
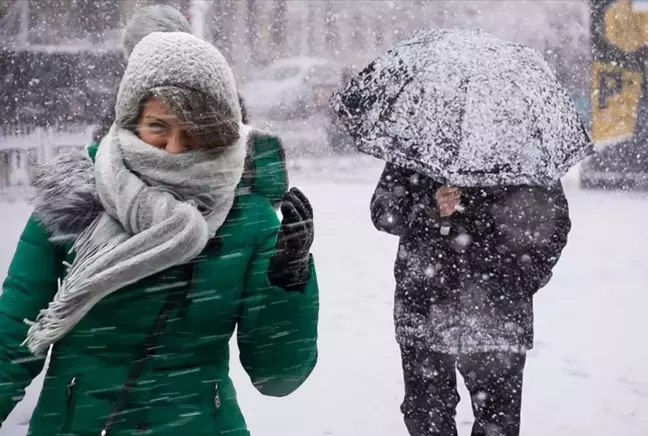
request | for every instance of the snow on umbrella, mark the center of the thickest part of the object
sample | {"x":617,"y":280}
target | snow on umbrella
{"x":465,"y":108}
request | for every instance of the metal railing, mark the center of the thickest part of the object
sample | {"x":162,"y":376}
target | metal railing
{"x":23,"y":148}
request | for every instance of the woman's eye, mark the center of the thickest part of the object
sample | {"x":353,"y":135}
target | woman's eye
{"x":157,"y":127}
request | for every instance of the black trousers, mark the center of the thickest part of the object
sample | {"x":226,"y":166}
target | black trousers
{"x":494,"y":381}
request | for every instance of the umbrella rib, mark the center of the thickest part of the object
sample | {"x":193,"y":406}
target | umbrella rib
{"x":463,"y":87}
{"x":389,"y":107}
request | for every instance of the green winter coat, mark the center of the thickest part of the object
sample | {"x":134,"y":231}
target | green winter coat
{"x":184,"y":388}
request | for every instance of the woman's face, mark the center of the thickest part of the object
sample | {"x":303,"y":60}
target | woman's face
{"x":163,"y":130}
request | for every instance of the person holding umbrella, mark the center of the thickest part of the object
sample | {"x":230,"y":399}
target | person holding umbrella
{"x":476,"y":133}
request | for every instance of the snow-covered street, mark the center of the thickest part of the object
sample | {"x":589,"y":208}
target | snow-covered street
{"x":588,"y":374}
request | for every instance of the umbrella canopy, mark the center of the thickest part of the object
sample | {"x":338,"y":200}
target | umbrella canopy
{"x":465,"y":108}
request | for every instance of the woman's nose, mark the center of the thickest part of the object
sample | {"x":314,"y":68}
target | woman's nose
{"x":175,"y":144}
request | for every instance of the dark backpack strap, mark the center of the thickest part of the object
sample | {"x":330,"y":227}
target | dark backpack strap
{"x":173,"y":300}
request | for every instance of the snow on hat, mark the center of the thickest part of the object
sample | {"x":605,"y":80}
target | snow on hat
{"x":149,"y":19}
{"x":191,"y":77}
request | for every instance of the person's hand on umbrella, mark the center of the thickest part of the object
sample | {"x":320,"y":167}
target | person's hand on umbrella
{"x":289,"y":265}
{"x":448,"y":200}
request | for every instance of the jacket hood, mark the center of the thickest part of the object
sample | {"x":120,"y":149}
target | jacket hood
{"x":190,"y":76}
{"x":181,"y":61}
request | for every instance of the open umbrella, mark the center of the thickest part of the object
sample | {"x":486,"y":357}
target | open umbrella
{"x":466,"y":109}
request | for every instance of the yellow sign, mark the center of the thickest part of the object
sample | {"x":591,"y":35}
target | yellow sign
{"x":615,"y":101}
{"x":626,"y":26}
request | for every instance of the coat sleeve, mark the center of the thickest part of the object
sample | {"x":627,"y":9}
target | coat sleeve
{"x":277,"y":330}
{"x":30,"y":285}
{"x":399,"y":197}
{"x":532,"y":225}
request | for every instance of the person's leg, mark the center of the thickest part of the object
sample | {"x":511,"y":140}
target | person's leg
{"x":431,"y":397}
{"x":494,"y":381}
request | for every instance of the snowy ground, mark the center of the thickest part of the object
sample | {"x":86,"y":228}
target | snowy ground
{"x":588,"y":374}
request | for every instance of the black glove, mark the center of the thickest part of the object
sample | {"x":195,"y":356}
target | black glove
{"x":289,"y":266}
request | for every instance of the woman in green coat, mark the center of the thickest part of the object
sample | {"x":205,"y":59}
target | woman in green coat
{"x":138,"y":265}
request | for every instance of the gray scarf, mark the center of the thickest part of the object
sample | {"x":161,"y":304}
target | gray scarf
{"x":160,"y":211}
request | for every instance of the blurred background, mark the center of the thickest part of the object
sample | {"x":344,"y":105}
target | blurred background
{"x":61,"y":60}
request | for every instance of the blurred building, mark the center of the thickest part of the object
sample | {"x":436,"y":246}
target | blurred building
{"x":252,"y":33}
{"x":61,"y":61}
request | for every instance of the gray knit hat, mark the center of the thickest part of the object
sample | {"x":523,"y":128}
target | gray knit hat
{"x":149,"y":19}
{"x":193,"y":80}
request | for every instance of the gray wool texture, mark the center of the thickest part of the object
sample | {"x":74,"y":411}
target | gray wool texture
{"x":149,"y":19}
{"x":191,"y":76}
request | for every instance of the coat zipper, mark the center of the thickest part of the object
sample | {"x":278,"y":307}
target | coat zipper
{"x":218,"y":402}
{"x":70,"y":390}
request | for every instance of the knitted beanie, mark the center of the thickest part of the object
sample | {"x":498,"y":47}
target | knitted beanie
{"x":149,"y":19}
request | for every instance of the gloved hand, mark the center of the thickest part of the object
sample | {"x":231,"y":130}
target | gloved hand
{"x":289,"y":266}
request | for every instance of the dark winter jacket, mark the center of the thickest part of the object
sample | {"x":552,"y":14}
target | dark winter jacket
{"x":184,"y":388}
{"x":470,"y":291}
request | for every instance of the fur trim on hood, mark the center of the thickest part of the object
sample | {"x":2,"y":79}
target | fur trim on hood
{"x":65,"y":198}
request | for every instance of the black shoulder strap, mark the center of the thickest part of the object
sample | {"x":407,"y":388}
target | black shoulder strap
{"x":173,"y":300}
